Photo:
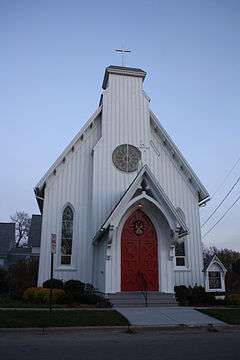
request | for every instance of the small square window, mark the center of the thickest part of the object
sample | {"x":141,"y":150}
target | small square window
{"x":180,"y":261}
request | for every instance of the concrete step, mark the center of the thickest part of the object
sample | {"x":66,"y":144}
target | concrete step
{"x":137,"y":299}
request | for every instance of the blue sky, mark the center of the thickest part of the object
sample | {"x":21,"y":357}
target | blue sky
{"x":53,"y":56}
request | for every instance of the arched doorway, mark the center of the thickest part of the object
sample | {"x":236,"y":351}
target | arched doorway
{"x":139,"y":259}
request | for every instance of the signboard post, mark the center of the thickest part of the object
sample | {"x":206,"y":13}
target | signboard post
{"x":53,"y":251}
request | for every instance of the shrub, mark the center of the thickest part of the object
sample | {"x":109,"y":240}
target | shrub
{"x":29,"y":294}
{"x":198,"y":296}
{"x":93,"y":299}
{"x":89,"y":288}
{"x":73,"y":286}
{"x":182,"y":294}
{"x":56,"y":284}
{"x":21,"y":276}
{"x":233,"y":299}
{"x":42,"y":295}
{"x":193,"y":296}
{"x":232,"y":281}
{"x":74,"y":290}
{"x":209,"y":299}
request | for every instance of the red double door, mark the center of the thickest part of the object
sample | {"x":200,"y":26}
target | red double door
{"x":139,"y":256}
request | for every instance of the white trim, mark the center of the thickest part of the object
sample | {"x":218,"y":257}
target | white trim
{"x":165,"y":261}
{"x":182,"y":160}
{"x":221,"y":269}
{"x":182,"y":268}
{"x":72,"y":265}
{"x":68,"y":148}
{"x":164,"y":204}
{"x":65,"y":268}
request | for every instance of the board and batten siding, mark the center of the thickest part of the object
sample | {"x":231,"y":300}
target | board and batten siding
{"x":89,"y":181}
{"x":72,"y":185}
{"x":126,"y":119}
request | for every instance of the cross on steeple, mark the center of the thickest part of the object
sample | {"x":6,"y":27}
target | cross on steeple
{"x":123,"y":52}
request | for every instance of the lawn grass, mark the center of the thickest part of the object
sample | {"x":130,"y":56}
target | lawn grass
{"x":7,"y":302}
{"x":228,"y":315}
{"x":42,"y":318}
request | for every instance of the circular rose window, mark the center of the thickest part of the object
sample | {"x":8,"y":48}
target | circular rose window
{"x":126,"y":157}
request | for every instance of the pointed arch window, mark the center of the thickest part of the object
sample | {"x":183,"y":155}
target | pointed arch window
{"x":67,"y":236}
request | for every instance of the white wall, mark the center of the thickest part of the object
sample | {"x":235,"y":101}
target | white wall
{"x":71,"y":184}
{"x":126,"y":119}
{"x":94,"y":186}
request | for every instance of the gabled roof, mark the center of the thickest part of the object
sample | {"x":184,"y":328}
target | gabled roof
{"x":7,"y":237}
{"x":162,"y":198}
{"x":34,"y":237}
{"x":39,"y":189}
{"x":178,"y":157}
{"x":69,"y":147}
{"x":213,"y":260}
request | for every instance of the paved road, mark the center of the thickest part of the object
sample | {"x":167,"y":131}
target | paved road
{"x":110,"y":346}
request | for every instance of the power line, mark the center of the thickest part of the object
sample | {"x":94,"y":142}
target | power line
{"x":221,"y":202}
{"x":225,"y":178}
{"x":238,"y":198}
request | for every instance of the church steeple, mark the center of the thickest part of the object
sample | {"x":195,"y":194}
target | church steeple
{"x":121,"y":70}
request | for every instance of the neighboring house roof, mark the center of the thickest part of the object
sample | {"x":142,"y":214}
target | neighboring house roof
{"x":152,"y":191}
{"x":34,"y":237}
{"x":178,"y":157}
{"x":7,"y":237}
{"x":213,"y":260}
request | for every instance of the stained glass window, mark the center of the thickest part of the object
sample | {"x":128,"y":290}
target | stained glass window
{"x":67,"y":235}
{"x":126,"y":157}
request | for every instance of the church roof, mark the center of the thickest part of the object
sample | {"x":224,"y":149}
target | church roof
{"x":128,"y":195}
{"x":121,"y":70}
{"x":178,"y":157}
{"x":39,"y":189}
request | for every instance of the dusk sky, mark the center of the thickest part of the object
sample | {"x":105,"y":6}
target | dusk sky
{"x":53,"y":57}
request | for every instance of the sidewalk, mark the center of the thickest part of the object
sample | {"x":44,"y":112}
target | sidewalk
{"x":169,"y":316}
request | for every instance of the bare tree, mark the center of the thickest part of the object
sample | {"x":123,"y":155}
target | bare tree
{"x":22,"y":225}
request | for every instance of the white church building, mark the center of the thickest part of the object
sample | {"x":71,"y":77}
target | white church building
{"x":122,"y":200}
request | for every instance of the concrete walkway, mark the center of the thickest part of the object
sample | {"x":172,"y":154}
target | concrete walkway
{"x":167,"y":316}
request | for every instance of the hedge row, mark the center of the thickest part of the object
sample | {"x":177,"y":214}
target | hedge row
{"x":193,"y":296}
{"x":69,"y":292}
{"x":41,"y":295}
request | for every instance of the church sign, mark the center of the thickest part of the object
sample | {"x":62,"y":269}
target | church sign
{"x":214,"y":280}
{"x":53,"y":243}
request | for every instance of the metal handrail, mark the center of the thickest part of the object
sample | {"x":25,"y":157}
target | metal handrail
{"x":144,"y":288}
